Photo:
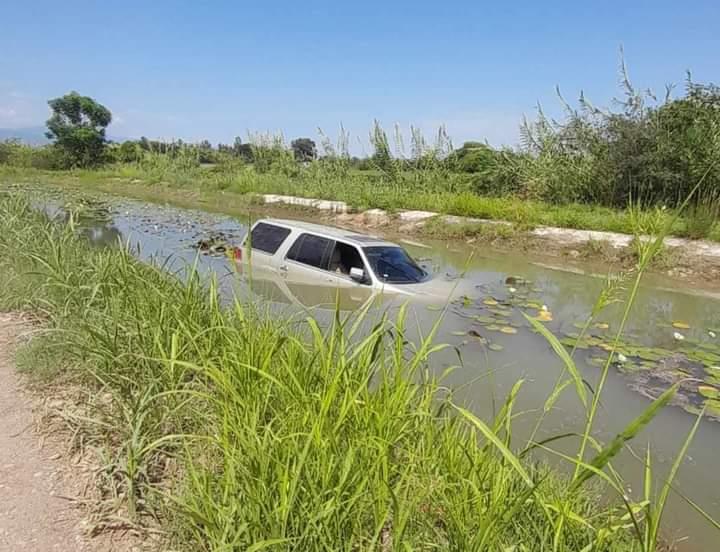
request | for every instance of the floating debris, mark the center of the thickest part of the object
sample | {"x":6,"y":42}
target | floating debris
{"x":544,"y":315}
{"x":681,"y":325}
{"x":216,"y":244}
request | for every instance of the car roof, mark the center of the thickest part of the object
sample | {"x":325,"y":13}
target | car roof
{"x":355,"y":238}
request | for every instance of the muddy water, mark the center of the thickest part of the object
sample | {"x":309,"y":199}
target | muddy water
{"x":493,"y":345}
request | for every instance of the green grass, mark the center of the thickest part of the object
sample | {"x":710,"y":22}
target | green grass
{"x":360,"y":189}
{"x":240,"y":431}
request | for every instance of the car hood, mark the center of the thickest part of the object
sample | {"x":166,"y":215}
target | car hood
{"x":438,"y":288}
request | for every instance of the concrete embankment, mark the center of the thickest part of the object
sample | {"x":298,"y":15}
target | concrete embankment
{"x":567,"y":237}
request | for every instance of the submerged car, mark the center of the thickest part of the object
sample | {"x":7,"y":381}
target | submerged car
{"x":302,"y":253}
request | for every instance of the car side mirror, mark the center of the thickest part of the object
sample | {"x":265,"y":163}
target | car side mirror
{"x":357,"y":274}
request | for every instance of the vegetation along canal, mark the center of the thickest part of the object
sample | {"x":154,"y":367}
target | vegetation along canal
{"x":672,"y":336}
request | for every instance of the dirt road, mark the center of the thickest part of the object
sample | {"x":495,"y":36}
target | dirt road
{"x":35,"y":511}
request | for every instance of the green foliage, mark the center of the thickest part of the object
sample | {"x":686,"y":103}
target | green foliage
{"x":16,"y":154}
{"x":643,"y":149}
{"x":77,"y":126}
{"x":304,"y":149}
{"x":259,"y":432}
{"x":702,"y":215}
{"x":128,"y":152}
{"x":648,"y":149}
{"x":473,"y":157}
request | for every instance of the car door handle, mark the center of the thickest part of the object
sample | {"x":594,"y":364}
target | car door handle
{"x":283,"y":268}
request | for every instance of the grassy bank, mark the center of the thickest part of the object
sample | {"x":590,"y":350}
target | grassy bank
{"x":238,"y":431}
{"x":223,"y":185}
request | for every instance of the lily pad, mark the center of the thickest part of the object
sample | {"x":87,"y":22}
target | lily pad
{"x":628,"y":367}
{"x":681,"y":325}
{"x":713,"y":407}
{"x":601,"y":325}
{"x":508,"y":330}
{"x":495,"y":347}
{"x":485,"y":319}
{"x":459,"y":332}
{"x":490,"y":302}
{"x":650,"y":355}
{"x":434,"y":308}
{"x":574,"y":343}
{"x":493,"y":327}
{"x":709,"y":392}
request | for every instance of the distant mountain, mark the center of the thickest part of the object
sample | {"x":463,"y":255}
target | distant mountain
{"x":35,"y":136}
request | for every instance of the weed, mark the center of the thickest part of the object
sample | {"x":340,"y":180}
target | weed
{"x":295,"y":436}
{"x":702,"y":216}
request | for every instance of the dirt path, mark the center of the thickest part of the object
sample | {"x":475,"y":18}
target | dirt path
{"x":34,"y":479}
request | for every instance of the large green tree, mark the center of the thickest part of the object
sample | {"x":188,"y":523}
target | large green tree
{"x":304,"y":149}
{"x":77,"y":126}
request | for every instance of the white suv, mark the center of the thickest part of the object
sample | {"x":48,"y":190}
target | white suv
{"x":306,"y":253}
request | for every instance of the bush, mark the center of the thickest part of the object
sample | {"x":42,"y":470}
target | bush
{"x":17,"y":154}
{"x":702,"y":216}
{"x":657,"y":151}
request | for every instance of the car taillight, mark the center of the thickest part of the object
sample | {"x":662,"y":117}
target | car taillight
{"x":237,"y":253}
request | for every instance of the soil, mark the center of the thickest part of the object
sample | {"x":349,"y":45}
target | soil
{"x":43,"y":502}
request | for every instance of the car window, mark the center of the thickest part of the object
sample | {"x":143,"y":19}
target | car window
{"x":268,"y":237}
{"x":311,"y":250}
{"x":392,"y":264}
{"x":344,"y":257}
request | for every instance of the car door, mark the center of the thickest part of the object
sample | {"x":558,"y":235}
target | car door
{"x":306,"y":261}
{"x":344,"y":257}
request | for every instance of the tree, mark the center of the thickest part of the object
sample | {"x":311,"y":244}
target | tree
{"x":205,"y":152}
{"x":129,"y":152}
{"x":243,"y":151}
{"x":473,"y":157}
{"x":304,"y":149}
{"x":78,"y":126}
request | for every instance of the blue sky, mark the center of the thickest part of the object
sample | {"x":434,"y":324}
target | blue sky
{"x":214,"y":70}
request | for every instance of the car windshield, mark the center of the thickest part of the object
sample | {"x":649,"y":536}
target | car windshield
{"x":393,"y":265}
